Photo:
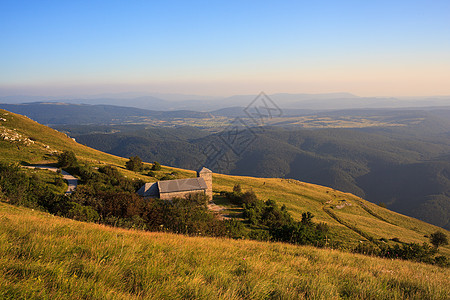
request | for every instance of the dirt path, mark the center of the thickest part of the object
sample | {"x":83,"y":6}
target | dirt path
{"x":72,"y":182}
{"x":218,"y":209}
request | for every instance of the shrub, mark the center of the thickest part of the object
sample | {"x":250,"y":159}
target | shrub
{"x":409,"y":251}
{"x":260,"y":235}
{"x":307,"y":218}
{"x":59,"y":181}
{"x":190,"y":215}
{"x":67,"y":159}
{"x":438,"y":239}
{"x":167,"y":177}
{"x":322,"y":227}
{"x":156,"y":166}
{"x":19,"y":189}
{"x":298,"y":233}
{"x":442,"y":261}
{"x":366,"y":248}
{"x":134,"y":164}
{"x":82,"y":213}
{"x":235,"y":229}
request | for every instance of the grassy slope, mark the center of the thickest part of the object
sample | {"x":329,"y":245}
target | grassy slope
{"x":299,"y":197}
{"x":42,"y":256}
{"x":43,"y":136}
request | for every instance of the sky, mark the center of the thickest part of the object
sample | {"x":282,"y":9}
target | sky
{"x":221,"y":48}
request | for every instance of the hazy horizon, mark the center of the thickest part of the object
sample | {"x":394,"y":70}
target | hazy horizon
{"x":76,"y":92}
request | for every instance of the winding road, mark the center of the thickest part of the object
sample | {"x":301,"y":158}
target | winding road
{"x":72,"y":182}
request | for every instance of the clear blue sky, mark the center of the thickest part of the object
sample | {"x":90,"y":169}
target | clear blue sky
{"x":226,"y":47}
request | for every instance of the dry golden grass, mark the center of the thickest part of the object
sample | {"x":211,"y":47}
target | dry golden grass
{"x":300,"y":197}
{"x":42,"y":256}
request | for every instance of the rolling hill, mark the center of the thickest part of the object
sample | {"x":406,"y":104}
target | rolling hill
{"x":104,"y":262}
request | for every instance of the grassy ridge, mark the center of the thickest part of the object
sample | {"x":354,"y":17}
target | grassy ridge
{"x":44,"y":141}
{"x":356,"y":217}
{"x":300,"y":197}
{"x":44,"y":256}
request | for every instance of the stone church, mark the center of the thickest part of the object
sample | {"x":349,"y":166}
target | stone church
{"x":169,"y":189}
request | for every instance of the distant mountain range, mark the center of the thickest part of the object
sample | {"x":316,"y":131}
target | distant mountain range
{"x":203,"y":103}
{"x":53,"y":113}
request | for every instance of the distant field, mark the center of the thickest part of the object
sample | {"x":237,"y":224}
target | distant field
{"x":315,"y":121}
{"x":312,"y":121}
{"x":42,"y":256}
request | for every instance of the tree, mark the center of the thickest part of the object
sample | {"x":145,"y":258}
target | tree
{"x":156,"y":166}
{"x":67,"y":159}
{"x":134,"y":164}
{"x":307,"y":218}
{"x":438,"y":239}
{"x":237,"y":189}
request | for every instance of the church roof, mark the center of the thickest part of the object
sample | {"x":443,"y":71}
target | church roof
{"x":150,"y":189}
{"x":182,"y":185}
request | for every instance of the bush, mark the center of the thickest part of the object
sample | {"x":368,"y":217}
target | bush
{"x":442,"y":261}
{"x":67,"y":159}
{"x":59,"y":181}
{"x":19,"y":189}
{"x":235,"y":229}
{"x":237,"y":189}
{"x":438,"y":239}
{"x":307,"y":218}
{"x":322,"y":227}
{"x":134,"y":164}
{"x":190,"y":215}
{"x":167,"y":177}
{"x":409,"y":251}
{"x":366,"y":248}
{"x":298,"y":233}
{"x":82,"y":213}
{"x":156,"y":166}
{"x":260,"y":235}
